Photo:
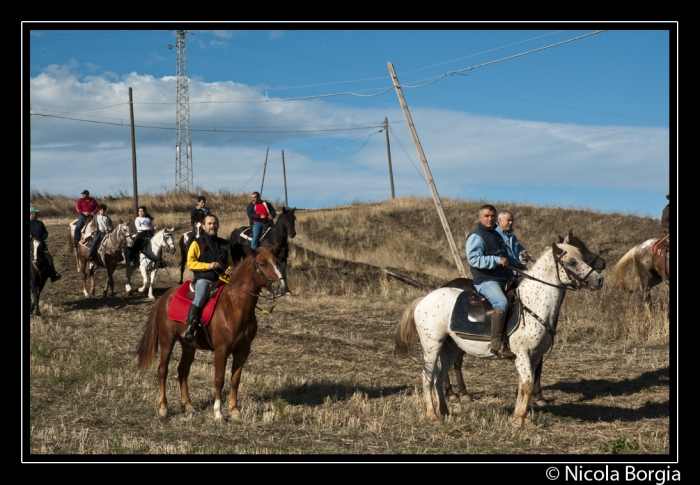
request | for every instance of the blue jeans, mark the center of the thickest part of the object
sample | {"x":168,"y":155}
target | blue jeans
{"x":257,"y":232}
{"x":95,"y":243}
{"x":201,"y":291}
{"x":494,"y":293}
{"x":78,"y":227}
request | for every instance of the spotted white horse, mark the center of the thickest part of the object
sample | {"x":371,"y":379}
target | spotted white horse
{"x":149,"y":260}
{"x":541,"y":295}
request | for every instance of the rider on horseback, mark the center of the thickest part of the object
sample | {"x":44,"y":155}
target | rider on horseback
{"x":260,"y":214}
{"x":37,"y":229}
{"x":104,"y":225}
{"x":487,"y":256}
{"x":146,"y":230}
{"x":198,"y":213}
{"x":86,"y":207}
{"x":208,"y":258}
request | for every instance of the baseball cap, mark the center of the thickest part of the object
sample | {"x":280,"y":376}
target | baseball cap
{"x":85,"y":192}
{"x":32,"y":209}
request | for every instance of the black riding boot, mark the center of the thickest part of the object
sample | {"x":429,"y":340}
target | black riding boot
{"x":188,"y":333}
{"x":498,"y":326}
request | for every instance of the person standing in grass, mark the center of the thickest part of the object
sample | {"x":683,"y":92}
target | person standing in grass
{"x":260,"y":215}
{"x":37,"y":229}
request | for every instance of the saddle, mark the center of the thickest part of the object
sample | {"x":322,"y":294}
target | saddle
{"x":182,"y":299}
{"x":471,"y":317}
{"x":247,"y":233}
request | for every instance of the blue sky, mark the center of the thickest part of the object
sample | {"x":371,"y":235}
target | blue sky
{"x":504,"y":113}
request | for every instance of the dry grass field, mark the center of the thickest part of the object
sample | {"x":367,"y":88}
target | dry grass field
{"x":321,"y":378}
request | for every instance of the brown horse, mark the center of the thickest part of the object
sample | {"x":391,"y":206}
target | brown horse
{"x":650,"y":268}
{"x":109,"y":253}
{"x":589,"y":257}
{"x":232,"y":328}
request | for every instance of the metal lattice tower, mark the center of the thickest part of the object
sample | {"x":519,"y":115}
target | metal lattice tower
{"x":183,"y":145}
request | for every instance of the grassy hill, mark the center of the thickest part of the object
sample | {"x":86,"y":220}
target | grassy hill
{"x":321,"y":377}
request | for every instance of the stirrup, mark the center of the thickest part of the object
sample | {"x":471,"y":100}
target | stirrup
{"x":188,"y":333}
{"x":503,"y":353}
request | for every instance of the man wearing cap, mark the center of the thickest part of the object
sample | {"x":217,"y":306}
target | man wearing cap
{"x":86,"y":207}
{"x":37,"y":229}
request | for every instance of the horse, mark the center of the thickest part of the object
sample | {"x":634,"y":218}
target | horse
{"x":39,"y":271}
{"x":110,"y":252}
{"x":277,"y":235}
{"x":540,"y":297}
{"x":184,"y":244}
{"x":150,"y":260}
{"x":231,"y":330}
{"x":650,"y":267}
{"x":590,"y":258}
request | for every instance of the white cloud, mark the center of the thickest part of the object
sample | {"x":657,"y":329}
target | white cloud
{"x":462,"y":149}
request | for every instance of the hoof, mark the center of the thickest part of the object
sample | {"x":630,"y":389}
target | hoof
{"x":540,"y":403}
{"x":465,"y":397}
{"x":453,"y":398}
{"x":236,"y":418}
{"x":432,"y":417}
{"x":163,"y":413}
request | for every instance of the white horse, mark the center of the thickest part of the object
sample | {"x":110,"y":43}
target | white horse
{"x":150,"y":259}
{"x":558,"y":269}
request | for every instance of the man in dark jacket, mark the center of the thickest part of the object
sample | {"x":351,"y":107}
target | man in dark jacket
{"x":199,"y":212}
{"x":37,"y":229}
{"x":488,"y":256}
{"x":208,"y":258}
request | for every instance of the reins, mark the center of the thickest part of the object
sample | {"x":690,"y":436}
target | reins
{"x":260,"y":295}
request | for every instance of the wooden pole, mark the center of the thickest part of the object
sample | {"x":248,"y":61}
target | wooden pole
{"x":426,"y":169}
{"x":133,"y":155}
{"x":284,"y":173}
{"x":388,"y":154}
{"x":264,"y":169}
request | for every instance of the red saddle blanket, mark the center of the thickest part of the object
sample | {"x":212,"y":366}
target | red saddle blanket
{"x":180,"y":305}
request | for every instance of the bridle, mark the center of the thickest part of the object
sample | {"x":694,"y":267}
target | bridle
{"x":559,"y":265}
{"x":36,"y":260}
{"x":267,"y":281}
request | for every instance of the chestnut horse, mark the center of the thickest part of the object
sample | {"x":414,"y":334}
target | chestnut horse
{"x":650,"y":268}
{"x":590,"y":258}
{"x":232,"y":328}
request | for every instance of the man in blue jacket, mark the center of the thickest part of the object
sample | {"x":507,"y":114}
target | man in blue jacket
{"x":37,"y":229}
{"x":488,"y":256}
{"x":516,"y":251}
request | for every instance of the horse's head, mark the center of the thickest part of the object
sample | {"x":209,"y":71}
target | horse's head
{"x":591,"y":259}
{"x":572,"y":271}
{"x":288,"y":219}
{"x":124,"y":233}
{"x":267,"y":266}
{"x":38,"y":249}
{"x":169,"y":240}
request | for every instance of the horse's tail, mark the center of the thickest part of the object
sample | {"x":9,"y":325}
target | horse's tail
{"x":621,"y":268}
{"x":148,"y":346}
{"x":406,"y":330}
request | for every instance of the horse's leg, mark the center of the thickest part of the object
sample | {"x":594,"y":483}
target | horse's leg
{"x":129,"y":272}
{"x":524,"y":366}
{"x":446,"y":359}
{"x":537,"y":396}
{"x":35,"y":293}
{"x":429,"y":368}
{"x":166,"y":350}
{"x":221,"y":353}
{"x":144,"y":275}
{"x":461,"y":388}
{"x":183,"y":372}
{"x":239,"y":359}
{"x":91,"y":270}
{"x":150,"y":283}
{"x":83,"y":275}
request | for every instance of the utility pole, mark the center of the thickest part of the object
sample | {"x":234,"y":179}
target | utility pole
{"x":284,"y":173}
{"x":428,"y":175}
{"x":183,"y":145}
{"x":133,"y":155}
{"x":388,"y":154}
{"x":264,"y":169}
